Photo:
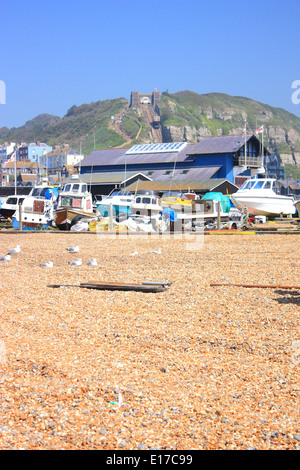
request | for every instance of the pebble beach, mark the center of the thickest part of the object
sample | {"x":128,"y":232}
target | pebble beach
{"x":196,"y":367}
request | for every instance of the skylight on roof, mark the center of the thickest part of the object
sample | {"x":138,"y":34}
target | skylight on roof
{"x":156,"y":148}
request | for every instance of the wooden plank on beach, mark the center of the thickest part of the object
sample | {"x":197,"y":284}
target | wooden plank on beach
{"x":260,"y":286}
{"x":102,"y":285}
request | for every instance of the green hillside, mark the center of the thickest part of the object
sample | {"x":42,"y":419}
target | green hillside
{"x":90,"y":126}
{"x":82,"y":127}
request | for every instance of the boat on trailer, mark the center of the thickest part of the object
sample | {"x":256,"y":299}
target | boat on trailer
{"x":262,"y":196}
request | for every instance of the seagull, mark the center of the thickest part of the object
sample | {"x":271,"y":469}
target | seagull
{"x":93,"y":262}
{"x":15,"y":250}
{"x":76,"y":263}
{"x":157,"y":251}
{"x":134,"y":254}
{"x":73,"y":249}
{"x":47,"y":265}
{"x":5,"y":258}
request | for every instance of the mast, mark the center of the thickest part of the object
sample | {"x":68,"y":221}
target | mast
{"x":15,"y":159}
{"x":245,"y":132}
{"x":262,"y":147}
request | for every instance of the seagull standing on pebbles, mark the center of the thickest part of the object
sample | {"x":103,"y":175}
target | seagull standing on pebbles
{"x":73,"y":249}
{"x":93,"y":262}
{"x":15,"y":250}
{"x":157,"y":251}
{"x":47,"y":265}
{"x":5,"y":258}
{"x":76,"y":263}
{"x":134,"y":253}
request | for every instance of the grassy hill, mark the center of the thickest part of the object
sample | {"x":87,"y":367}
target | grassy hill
{"x":184,"y":113}
{"x":83,"y":126}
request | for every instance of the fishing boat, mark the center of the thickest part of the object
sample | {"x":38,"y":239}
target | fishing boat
{"x":120,"y":201}
{"x":176,"y":201}
{"x":10,"y":205}
{"x":36,"y":213}
{"x":74,"y":203}
{"x":145,"y":204}
{"x":262,"y":196}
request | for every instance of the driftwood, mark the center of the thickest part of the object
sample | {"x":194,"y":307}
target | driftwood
{"x":261,"y":286}
{"x":146,"y":286}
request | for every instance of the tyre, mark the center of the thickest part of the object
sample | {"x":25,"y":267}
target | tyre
{"x":76,"y":219}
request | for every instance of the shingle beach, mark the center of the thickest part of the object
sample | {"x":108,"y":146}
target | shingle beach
{"x":194,"y":367}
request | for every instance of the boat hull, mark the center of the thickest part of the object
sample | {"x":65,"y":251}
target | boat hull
{"x":65,"y":217}
{"x":30,"y":225}
{"x":297,"y":206}
{"x":268,"y":206}
{"x":7,"y":213}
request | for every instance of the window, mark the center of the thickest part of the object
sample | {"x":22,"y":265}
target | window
{"x":12,"y":200}
{"x":146,"y":200}
{"x":259,"y":185}
{"x":76,"y":203}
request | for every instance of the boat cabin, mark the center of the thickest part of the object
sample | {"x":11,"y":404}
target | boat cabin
{"x":76,"y":196}
{"x":261,"y":183}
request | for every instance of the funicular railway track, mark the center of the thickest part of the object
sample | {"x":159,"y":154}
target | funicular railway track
{"x":148,"y":114}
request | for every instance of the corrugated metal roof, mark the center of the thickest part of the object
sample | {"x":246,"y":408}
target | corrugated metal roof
{"x":118,"y":157}
{"x":176,"y":185}
{"x":108,"y":177}
{"x":183,"y":173}
{"x":221,"y":144}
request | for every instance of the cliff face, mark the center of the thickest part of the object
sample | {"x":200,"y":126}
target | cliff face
{"x":186,"y":116}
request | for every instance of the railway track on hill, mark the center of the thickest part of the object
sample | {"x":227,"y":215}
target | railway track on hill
{"x":148,"y":114}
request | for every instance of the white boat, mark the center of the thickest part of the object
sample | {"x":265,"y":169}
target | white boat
{"x":119,"y":200}
{"x":297,"y":205}
{"x":262,"y":197}
{"x":75,"y":203}
{"x":10,"y":205}
{"x":36,"y":213}
{"x":145,"y":204}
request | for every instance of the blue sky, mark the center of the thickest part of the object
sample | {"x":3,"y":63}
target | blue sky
{"x":55,"y":54}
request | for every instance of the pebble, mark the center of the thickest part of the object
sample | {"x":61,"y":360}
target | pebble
{"x":198,"y":367}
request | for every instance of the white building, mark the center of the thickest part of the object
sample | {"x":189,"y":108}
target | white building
{"x":60,"y":157}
